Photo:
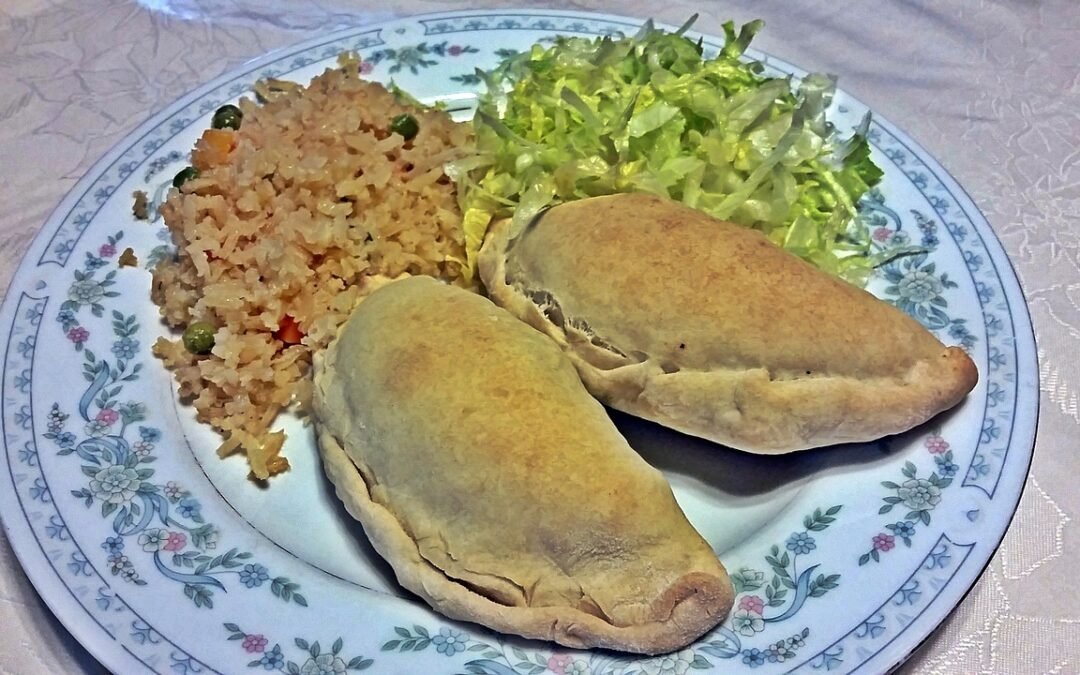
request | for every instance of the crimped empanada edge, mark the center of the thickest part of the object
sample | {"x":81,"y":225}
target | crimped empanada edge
{"x":566,"y":626}
{"x":749,"y":410}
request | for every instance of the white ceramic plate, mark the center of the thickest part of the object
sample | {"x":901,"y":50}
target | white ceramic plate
{"x":157,"y":555}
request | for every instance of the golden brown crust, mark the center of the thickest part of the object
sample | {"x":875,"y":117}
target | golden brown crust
{"x":708,"y":328}
{"x":684,"y":602}
{"x":496,"y":487}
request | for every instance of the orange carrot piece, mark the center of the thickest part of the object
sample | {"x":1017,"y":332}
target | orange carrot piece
{"x":289,"y":331}
{"x":213,"y":148}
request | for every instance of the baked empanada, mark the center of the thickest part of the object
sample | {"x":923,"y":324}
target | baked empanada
{"x":497,"y":487}
{"x":709,"y":328}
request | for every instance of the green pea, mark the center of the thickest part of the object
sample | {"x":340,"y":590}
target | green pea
{"x":227,"y":117}
{"x":199,"y":337}
{"x":184,"y":175}
{"x":406,"y":125}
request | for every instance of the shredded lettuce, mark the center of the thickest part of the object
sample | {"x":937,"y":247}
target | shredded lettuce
{"x":588,"y":117}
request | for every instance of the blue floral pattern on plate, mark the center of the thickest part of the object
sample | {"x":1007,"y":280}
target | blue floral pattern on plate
{"x":127,"y":537}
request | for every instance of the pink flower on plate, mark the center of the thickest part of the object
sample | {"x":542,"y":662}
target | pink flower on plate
{"x":558,"y":663}
{"x":884,"y":542}
{"x":107,"y":416}
{"x":752,"y":603}
{"x":173,"y":490}
{"x":882,"y":234}
{"x":177,"y":541}
{"x":106,"y":250}
{"x":254,"y":643}
{"x":78,"y":335}
{"x":936,"y":444}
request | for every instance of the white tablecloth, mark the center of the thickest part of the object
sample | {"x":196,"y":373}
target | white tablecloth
{"x":992,"y":89}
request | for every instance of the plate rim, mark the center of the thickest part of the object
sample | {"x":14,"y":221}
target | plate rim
{"x":1009,"y":274}
{"x":84,"y":631}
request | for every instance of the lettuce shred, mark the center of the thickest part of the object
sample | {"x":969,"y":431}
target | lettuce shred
{"x":587,"y":117}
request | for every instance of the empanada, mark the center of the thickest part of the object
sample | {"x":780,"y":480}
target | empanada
{"x":709,"y":328}
{"x":497,"y":487}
